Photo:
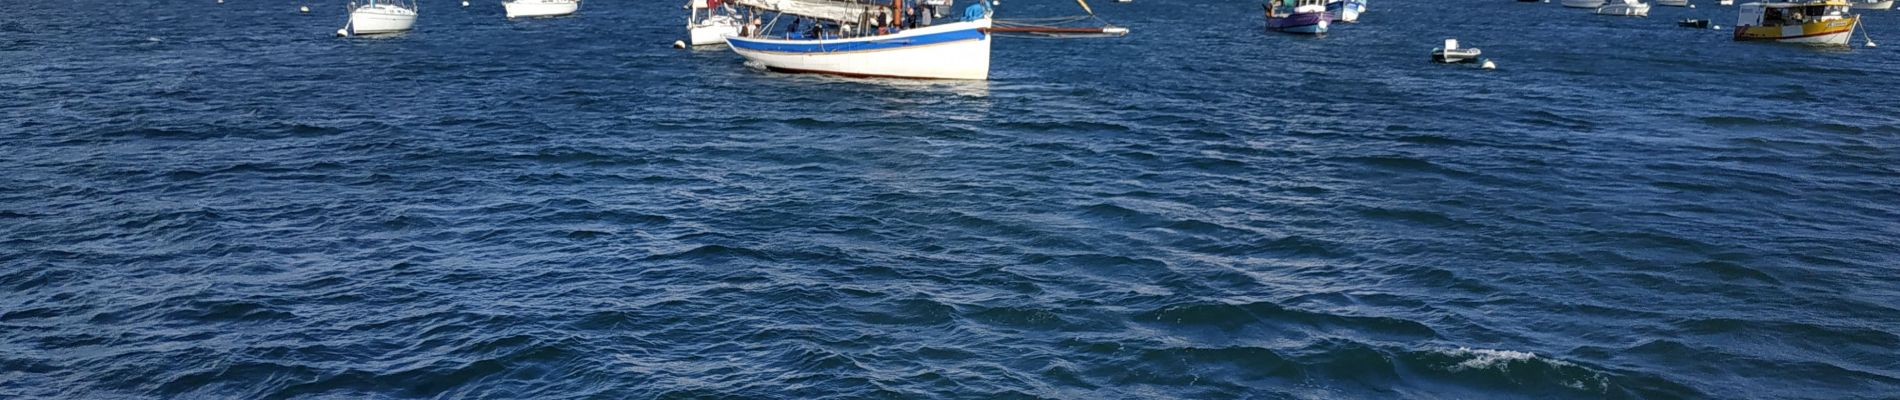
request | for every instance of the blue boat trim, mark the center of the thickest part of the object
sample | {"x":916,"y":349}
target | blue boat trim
{"x":820,"y":47}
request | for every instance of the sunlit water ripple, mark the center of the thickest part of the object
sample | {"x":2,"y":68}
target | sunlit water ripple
{"x":222,"y":201}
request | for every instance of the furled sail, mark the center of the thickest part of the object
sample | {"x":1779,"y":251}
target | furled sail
{"x":835,"y":10}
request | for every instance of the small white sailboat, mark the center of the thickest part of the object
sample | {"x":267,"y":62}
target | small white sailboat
{"x":1452,"y":54}
{"x":379,"y":17}
{"x":540,"y":8}
{"x":707,"y":23}
{"x":1673,"y":3}
{"x":1592,"y":4}
{"x":1626,"y":8}
{"x":1873,"y":4}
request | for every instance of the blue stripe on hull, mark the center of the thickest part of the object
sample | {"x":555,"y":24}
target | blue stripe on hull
{"x":861,"y":44}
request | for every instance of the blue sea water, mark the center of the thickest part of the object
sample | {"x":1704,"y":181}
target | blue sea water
{"x":223,"y":201}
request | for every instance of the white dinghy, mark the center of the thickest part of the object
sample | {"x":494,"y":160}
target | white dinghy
{"x":1452,"y":54}
{"x":540,"y":8}
{"x":376,"y":17}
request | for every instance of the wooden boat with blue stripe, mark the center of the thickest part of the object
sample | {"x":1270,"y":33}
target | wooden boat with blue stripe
{"x":959,"y":50}
{"x":951,"y":50}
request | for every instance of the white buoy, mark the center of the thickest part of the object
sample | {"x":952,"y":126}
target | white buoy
{"x":345,"y":32}
{"x":465,"y":3}
{"x":220,"y":1}
{"x":679,"y":44}
{"x":304,"y":9}
{"x":1691,"y":6}
{"x":1715,"y":27}
{"x":992,"y":3}
{"x":1870,"y":44}
{"x":1488,"y":64}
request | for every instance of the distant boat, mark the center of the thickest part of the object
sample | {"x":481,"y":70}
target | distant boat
{"x":1673,"y":3}
{"x":379,"y":17}
{"x":1298,"y":16}
{"x":1345,"y":10}
{"x":1819,"y":22}
{"x":1725,"y":2}
{"x":1693,"y":23}
{"x":1627,"y":8}
{"x":1873,"y":4}
{"x":539,"y":8}
{"x":1451,"y":53}
{"x":713,"y":25}
{"x":864,"y":40}
{"x":1591,"y":4}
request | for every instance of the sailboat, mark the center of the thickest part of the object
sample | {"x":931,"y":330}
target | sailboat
{"x":858,"y":39}
{"x":707,"y":23}
{"x":378,"y":17}
{"x":540,"y":8}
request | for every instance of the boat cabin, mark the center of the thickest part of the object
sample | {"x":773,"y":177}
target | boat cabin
{"x":1791,"y":14}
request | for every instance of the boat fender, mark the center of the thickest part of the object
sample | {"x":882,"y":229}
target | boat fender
{"x":679,"y":44}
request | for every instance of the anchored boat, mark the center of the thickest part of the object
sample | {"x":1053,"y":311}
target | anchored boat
{"x":376,"y":17}
{"x":1345,"y":10}
{"x":1591,"y":4}
{"x":1873,"y":4}
{"x":863,"y":40}
{"x":1820,"y":22}
{"x":1450,"y":53}
{"x":1627,"y":8}
{"x":708,"y":23}
{"x":1298,"y":16}
{"x":540,"y":8}
{"x":1673,"y":3}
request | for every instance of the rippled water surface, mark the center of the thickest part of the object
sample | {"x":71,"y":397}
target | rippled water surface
{"x":222,"y":201}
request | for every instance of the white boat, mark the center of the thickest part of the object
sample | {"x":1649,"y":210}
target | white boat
{"x":379,"y":17}
{"x":1813,"y":22}
{"x":540,"y":8}
{"x":1627,"y":8}
{"x":866,"y":47}
{"x":1592,"y":4}
{"x":708,"y":24}
{"x":1873,"y":4}
{"x":1673,"y":3}
{"x":1451,"y":53}
{"x":1345,"y":10}
{"x":1725,"y":2}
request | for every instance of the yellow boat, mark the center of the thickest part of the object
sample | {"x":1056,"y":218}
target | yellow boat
{"x":1821,"y":22}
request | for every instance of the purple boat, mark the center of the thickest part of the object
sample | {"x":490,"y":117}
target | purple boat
{"x":1298,"y":16}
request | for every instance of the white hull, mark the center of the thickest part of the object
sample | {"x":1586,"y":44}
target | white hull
{"x":1673,"y":3}
{"x":962,"y":59}
{"x":540,"y":8}
{"x":1832,"y":39}
{"x":713,"y":30}
{"x":380,"y":19}
{"x":1583,"y":3}
{"x":1627,"y":10}
{"x":1883,"y":5}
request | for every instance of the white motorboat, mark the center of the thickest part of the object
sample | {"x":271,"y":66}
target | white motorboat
{"x":1673,"y":3}
{"x":709,"y":24}
{"x":1451,"y":53}
{"x":379,"y":17}
{"x":1583,"y":3}
{"x":1626,"y":8}
{"x":540,"y":8}
{"x":1724,"y":2}
{"x":1873,"y":4}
